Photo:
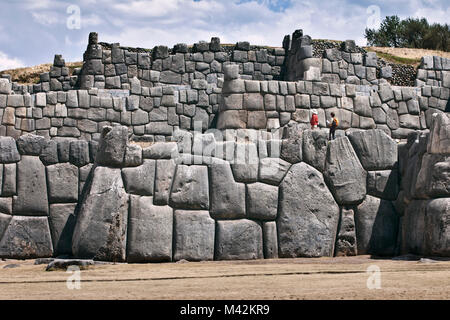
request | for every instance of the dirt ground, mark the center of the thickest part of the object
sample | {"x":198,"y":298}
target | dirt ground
{"x":277,"y":279}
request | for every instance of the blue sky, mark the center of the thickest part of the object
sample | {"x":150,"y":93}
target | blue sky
{"x":32,"y":31}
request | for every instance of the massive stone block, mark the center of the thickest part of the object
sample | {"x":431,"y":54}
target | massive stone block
{"x":140,"y":180}
{"x":30,"y":144}
{"x":270,"y":239}
{"x":315,"y":148}
{"x":346,"y":238}
{"x":291,"y":148}
{"x":376,"y":227}
{"x":190,"y":189}
{"x":26,"y":238}
{"x":246,"y":162}
{"x":227,"y":196}
{"x":413,"y":228}
{"x":438,"y":227}
{"x":165,"y":171}
{"x":439,"y":138}
{"x":375,"y":149}
{"x":150,"y":231}
{"x":101,"y":228}
{"x":307,"y":216}
{"x":383,"y":184}
{"x":262,"y":201}
{"x":344,"y":173}
{"x":194,"y":235}
{"x":112,"y":146}
{"x":239,"y":239}
{"x":8,"y":150}
{"x":62,"y":183}
{"x":272,"y":170}
{"x":62,"y":222}
{"x":31,"y":196}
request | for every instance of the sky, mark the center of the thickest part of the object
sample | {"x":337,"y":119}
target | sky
{"x":33,"y":31}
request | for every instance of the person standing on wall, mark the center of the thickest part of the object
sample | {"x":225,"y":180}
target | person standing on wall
{"x":333,"y":125}
{"x":314,"y":119}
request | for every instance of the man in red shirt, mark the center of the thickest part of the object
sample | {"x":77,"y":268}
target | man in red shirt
{"x":314,"y":119}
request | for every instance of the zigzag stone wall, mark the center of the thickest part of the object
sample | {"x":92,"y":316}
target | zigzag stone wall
{"x":229,"y":168}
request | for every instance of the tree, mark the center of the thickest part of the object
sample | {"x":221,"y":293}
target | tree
{"x":411,"y":32}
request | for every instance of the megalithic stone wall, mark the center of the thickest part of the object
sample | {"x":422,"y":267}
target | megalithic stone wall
{"x":229,"y":168}
{"x":398,"y":111}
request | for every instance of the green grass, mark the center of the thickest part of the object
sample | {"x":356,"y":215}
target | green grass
{"x":396,"y":59}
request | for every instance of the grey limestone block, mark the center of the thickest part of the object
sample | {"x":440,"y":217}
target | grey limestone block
{"x":376,"y":227}
{"x":79,"y":153}
{"x":31,"y":196}
{"x":194,"y":235}
{"x":165,"y":170}
{"x":62,"y":221}
{"x":100,"y":232}
{"x":270,"y":240}
{"x":238,"y":239}
{"x":305,"y":200}
{"x":262,"y":201}
{"x":150,"y":231}
{"x":272,"y":170}
{"x":383,"y":184}
{"x":30,"y":144}
{"x":227,"y":196}
{"x":62,"y":183}
{"x":140,"y":180}
{"x":344,"y":173}
{"x":112,"y":146}
{"x":375,"y":149}
{"x":26,"y":238}
{"x":9,"y":179}
{"x":346,"y":238}
{"x":8,"y":150}
{"x":190,"y":189}
{"x":246,"y":162}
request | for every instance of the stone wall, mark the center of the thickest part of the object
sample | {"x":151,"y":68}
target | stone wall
{"x":229,"y":168}
{"x":270,"y":104}
{"x":425,"y":190}
{"x":434,"y":71}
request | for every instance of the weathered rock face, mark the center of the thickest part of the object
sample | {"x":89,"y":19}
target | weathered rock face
{"x":383,"y":184}
{"x":112,"y":146}
{"x":8,"y":150}
{"x":194,"y":235}
{"x":62,"y":183}
{"x":375,"y":149}
{"x":346,"y":238}
{"x":190,"y":188}
{"x":262,"y":201}
{"x":315,"y":148}
{"x":308,"y":215}
{"x":344,"y":173}
{"x":239,"y":239}
{"x":140,"y":180}
{"x":101,"y":227}
{"x":438,"y":228}
{"x":433,"y":178}
{"x":270,"y":239}
{"x":165,"y":170}
{"x":272,"y":170}
{"x":376,"y":227}
{"x":227,"y":196}
{"x":31,"y":188}
{"x":291,"y":149}
{"x":439,"y":139}
{"x":25,"y":238}
{"x":150,"y":231}
{"x":62,"y":222}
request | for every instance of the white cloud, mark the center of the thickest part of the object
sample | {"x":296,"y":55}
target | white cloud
{"x":9,"y":63}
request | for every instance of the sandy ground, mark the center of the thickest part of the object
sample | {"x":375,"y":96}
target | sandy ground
{"x":321,"y":278}
{"x":410,"y":53}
